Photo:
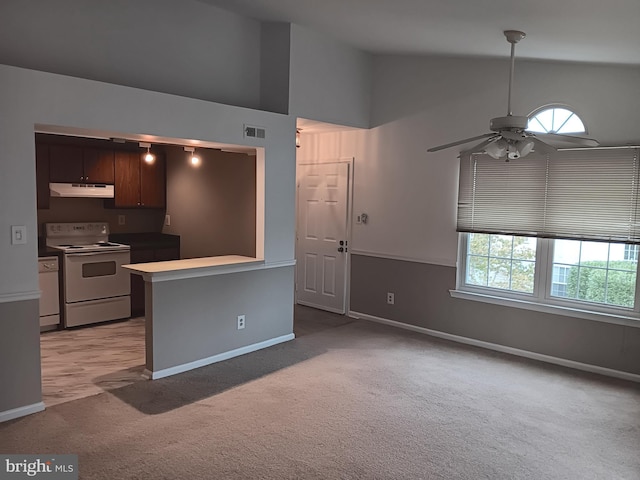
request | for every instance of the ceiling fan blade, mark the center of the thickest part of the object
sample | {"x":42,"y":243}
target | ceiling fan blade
{"x":459,"y":142}
{"x":541,"y":147}
{"x":582,"y":141}
{"x":479,"y":148}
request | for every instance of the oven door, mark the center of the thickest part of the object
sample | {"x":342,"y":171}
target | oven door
{"x":95,"y":275}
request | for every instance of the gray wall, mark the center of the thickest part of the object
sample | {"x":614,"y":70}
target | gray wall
{"x":422,"y":299}
{"x":186,"y":48}
{"x":275,"y":49}
{"x":213,"y":206}
{"x":19,"y":354}
{"x":330,"y":81}
{"x":197,"y":318}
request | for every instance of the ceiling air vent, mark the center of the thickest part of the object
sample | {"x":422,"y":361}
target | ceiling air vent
{"x":254,"y":132}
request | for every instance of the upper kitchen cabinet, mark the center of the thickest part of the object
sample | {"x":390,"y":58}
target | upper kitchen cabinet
{"x":98,"y":165}
{"x":42,"y":176}
{"x":139,"y":184}
{"x":74,"y":164}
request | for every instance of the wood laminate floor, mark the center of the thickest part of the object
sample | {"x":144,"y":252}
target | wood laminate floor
{"x":86,"y":361}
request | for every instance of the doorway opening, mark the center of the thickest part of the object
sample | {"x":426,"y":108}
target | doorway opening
{"x":191,"y":204}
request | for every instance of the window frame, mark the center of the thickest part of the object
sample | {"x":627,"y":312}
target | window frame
{"x":541,"y":298}
{"x":563,"y":106}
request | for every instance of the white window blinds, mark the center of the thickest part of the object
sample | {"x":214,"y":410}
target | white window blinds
{"x":579,"y":194}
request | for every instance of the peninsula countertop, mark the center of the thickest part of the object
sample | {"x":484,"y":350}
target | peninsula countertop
{"x":195,"y":267}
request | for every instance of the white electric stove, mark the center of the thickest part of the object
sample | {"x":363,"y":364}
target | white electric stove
{"x":96,"y":287}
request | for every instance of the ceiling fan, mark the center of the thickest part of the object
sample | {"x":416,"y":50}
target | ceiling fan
{"x":509,"y":136}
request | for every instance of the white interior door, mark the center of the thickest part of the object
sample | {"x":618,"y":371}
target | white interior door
{"x":321,"y":247}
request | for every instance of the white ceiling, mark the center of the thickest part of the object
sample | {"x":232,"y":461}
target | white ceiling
{"x":569,"y":30}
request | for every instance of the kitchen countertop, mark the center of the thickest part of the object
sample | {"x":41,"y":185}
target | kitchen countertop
{"x":196,"y":267}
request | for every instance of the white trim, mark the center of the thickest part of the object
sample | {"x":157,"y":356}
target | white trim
{"x":431,"y":261}
{"x":185,"y":367}
{"x":19,"y":296}
{"x":21,"y":411}
{"x":502,"y":348}
{"x":547,"y":308}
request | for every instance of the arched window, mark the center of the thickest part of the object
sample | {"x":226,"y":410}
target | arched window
{"x":555,"y":119}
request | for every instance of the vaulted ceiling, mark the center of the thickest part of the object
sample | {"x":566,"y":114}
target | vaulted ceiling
{"x":567,"y":30}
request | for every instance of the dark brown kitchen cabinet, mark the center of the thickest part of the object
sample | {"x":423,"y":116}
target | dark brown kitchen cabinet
{"x":74,"y":164}
{"x":98,"y":165}
{"x":153,"y":183}
{"x":65,"y":164}
{"x":138,"y":183}
{"x":42,"y":176}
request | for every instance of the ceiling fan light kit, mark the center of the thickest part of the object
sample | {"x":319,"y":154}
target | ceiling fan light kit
{"x":509,"y":138}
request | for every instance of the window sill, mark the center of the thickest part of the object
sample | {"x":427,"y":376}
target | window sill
{"x":547,"y":308}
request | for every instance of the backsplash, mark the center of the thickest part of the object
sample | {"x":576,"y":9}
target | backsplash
{"x":92,"y":210}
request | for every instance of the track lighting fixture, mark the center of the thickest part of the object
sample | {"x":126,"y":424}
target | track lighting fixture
{"x":149,"y":157}
{"x":195,"y":160}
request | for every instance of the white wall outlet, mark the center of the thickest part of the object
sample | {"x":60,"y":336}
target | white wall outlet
{"x":122,"y":219}
{"x":167,"y":220}
{"x":391,"y":298}
{"x":18,"y":234}
{"x":241,"y":322}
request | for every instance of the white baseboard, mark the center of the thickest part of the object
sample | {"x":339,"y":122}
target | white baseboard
{"x":216,"y":358}
{"x":21,"y":411}
{"x":502,"y":348}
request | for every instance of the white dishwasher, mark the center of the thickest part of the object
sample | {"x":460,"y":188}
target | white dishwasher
{"x":49,"y":292}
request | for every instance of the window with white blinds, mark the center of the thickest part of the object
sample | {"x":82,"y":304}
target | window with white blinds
{"x":577,"y":194}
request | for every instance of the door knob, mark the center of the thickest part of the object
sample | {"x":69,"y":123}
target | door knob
{"x":340,"y":249}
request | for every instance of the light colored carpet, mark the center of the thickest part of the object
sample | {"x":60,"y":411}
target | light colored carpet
{"x":351,"y":400}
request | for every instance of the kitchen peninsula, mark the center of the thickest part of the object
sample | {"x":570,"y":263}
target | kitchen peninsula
{"x":184,"y":332}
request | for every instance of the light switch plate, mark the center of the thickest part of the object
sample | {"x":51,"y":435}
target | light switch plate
{"x":18,"y":234}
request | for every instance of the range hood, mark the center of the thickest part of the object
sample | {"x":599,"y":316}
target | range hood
{"x":81,"y":190}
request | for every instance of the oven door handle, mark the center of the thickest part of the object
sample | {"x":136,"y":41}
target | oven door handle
{"x":93,"y":254}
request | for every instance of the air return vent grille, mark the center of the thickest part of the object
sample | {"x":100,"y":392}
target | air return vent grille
{"x":254,"y":132}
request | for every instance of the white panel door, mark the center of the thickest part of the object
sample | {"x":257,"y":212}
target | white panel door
{"x":321,"y":247}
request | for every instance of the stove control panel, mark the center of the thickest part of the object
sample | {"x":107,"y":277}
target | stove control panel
{"x":76,"y":229}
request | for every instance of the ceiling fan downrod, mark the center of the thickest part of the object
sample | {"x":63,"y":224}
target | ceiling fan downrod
{"x":513,"y":37}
